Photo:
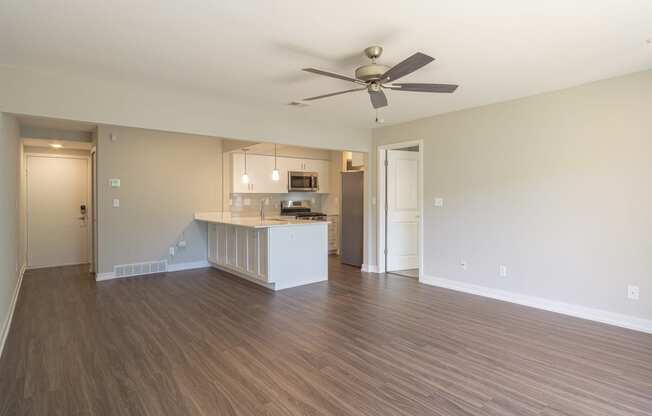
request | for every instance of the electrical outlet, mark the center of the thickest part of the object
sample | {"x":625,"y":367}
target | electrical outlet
{"x":171,"y":251}
{"x":439,"y":202}
{"x":266,"y":201}
{"x":463,"y":265}
{"x":116,"y":203}
{"x":632,"y":292}
{"x":502,"y":270}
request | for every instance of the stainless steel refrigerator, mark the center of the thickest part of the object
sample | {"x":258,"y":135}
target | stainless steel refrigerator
{"x":352,"y":238}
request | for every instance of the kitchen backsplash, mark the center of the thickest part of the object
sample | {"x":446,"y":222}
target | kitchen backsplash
{"x":248,"y":205}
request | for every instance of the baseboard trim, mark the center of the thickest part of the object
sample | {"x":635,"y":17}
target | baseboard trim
{"x":53,"y":265}
{"x":12,"y":307}
{"x":175,"y":267}
{"x":577,"y":311}
{"x":369,"y":268}
{"x":271,"y":286}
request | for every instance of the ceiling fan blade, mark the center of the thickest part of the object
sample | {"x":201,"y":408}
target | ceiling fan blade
{"x":408,"y":66}
{"x":445,"y":88}
{"x":334,"y":93}
{"x":378,"y":99}
{"x":333,"y":75}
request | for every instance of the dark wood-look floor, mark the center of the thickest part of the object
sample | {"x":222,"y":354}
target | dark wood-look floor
{"x":204,"y":343}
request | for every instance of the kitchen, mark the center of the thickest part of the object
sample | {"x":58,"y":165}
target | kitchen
{"x":283,"y":213}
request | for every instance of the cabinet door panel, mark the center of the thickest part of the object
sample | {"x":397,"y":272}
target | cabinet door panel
{"x":262,"y":255}
{"x":212,"y":243}
{"x":231,"y":246}
{"x":260,"y":169}
{"x":322,"y":167}
{"x":241,"y":243}
{"x":221,"y":238}
{"x":252,"y":252}
{"x":237,"y":169}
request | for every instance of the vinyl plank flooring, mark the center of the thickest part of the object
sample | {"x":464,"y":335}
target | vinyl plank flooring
{"x":203,"y":342}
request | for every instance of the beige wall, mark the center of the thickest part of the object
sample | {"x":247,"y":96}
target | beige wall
{"x":11,"y":257}
{"x":165,"y":179}
{"x":558,"y":187}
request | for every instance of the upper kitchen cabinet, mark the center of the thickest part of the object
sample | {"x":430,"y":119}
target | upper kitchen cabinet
{"x":322,"y":167}
{"x":259,"y":169}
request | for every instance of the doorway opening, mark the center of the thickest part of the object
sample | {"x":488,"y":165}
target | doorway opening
{"x":57,"y":177}
{"x":400,"y":207}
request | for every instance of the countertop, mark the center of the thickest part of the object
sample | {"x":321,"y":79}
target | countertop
{"x":225,"y":218}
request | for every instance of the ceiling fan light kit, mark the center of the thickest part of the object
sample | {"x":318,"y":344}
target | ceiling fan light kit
{"x":375,"y":77}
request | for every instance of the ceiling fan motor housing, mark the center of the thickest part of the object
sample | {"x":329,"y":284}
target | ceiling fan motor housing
{"x":370,"y":72}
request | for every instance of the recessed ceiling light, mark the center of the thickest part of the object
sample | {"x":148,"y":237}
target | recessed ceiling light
{"x":56,"y":145}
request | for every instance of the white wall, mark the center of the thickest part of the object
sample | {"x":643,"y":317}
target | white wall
{"x":558,"y":187}
{"x":163,"y":107}
{"x":165,"y":179}
{"x":11,"y":258}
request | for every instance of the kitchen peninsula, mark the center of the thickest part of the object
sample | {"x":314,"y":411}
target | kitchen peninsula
{"x":275,"y":253}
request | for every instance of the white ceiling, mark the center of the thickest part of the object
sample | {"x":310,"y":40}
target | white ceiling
{"x":252,"y":51}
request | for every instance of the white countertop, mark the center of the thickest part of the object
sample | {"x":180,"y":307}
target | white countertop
{"x":225,"y":218}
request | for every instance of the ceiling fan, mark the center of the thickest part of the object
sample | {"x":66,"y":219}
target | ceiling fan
{"x":376,"y":77}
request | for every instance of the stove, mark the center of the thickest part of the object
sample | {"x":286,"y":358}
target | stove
{"x":300,"y":210}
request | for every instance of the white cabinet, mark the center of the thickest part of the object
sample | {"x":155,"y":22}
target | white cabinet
{"x":240,"y":249}
{"x":333,"y":233}
{"x":237,"y":170}
{"x":259,"y":169}
{"x":276,"y":257}
{"x":322,"y":167}
{"x":292,"y":164}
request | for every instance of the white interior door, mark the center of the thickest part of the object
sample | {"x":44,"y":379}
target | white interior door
{"x":57,"y":230}
{"x":402,"y":210}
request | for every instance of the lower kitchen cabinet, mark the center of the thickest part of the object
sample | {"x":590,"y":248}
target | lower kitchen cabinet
{"x":241,"y":249}
{"x":333,"y":233}
{"x":277,"y":256}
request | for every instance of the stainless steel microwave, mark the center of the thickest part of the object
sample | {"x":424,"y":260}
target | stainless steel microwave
{"x":303,"y":182}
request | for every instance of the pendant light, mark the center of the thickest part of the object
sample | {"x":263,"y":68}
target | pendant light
{"x":245,"y":176}
{"x":276,"y":175}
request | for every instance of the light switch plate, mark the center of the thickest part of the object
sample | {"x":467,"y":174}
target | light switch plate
{"x":633,"y":292}
{"x":439,"y":202}
{"x":115,"y":183}
{"x":116,"y":203}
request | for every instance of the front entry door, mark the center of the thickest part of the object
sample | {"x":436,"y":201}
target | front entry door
{"x":57,"y":226}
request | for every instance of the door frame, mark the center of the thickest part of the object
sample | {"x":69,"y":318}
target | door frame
{"x":381,"y":206}
{"x":93,"y":211}
{"x":27,"y":200}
